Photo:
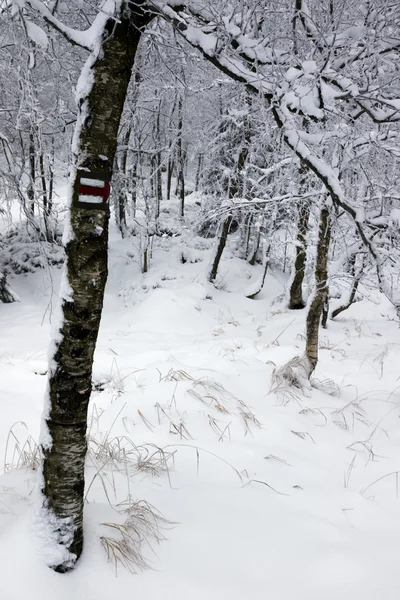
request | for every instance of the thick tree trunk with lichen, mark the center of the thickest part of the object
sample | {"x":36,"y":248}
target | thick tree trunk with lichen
{"x":321,"y":290}
{"x":64,"y":449}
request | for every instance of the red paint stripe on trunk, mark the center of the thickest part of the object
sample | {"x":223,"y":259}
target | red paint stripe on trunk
{"x":88,"y":190}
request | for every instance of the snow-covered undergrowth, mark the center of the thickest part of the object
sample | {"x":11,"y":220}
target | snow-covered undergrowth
{"x":261,"y":492}
{"x":24,"y":250}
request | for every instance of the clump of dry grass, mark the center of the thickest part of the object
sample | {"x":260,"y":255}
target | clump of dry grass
{"x":143,"y":524}
{"x":291,"y":381}
{"x":346,"y":416}
{"x":122,"y":452}
{"x":24,"y":455}
{"x":327,"y":386}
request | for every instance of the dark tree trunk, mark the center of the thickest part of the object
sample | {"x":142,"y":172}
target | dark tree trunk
{"x":296,"y":301}
{"x":122,"y":212}
{"x":32,"y":174}
{"x":260,"y":285}
{"x":51,"y":179}
{"x":6,"y":294}
{"x":122,"y":191}
{"x":223,"y":236}
{"x":159,"y":181}
{"x":170,"y":170}
{"x":134,"y":187}
{"x":248,"y":221}
{"x":70,"y":373}
{"x":198,"y":171}
{"x":252,"y":257}
{"x":157,"y":162}
{"x":180,"y":160}
{"x":356,"y":281}
{"x":235,"y":188}
{"x":44,"y":185}
{"x":170,"y":164}
{"x":44,"y":196}
{"x":321,"y":290}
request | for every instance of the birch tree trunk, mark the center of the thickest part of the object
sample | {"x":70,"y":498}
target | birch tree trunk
{"x":321,"y":289}
{"x":63,"y":439}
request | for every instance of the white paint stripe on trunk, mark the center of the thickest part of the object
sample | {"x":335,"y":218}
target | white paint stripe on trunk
{"x":92,"y":182}
{"x":91,"y":199}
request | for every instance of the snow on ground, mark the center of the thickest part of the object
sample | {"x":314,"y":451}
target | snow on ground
{"x":271,"y":494}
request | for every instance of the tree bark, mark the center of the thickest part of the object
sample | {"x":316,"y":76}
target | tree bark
{"x":44,"y":196}
{"x":235,"y":188}
{"x":51,"y":177}
{"x":296,"y":301}
{"x":134,"y":187}
{"x":223,"y":236}
{"x":321,"y":289}
{"x":32,"y":174}
{"x":6,"y":294}
{"x":64,"y":435}
{"x":198,"y":171}
{"x":356,"y":281}
{"x":122,"y":191}
{"x":180,"y":159}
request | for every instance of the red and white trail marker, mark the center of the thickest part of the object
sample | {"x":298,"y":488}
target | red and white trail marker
{"x":93,"y":191}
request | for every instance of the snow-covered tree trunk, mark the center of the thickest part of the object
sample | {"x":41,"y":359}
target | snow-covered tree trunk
{"x":101,"y":94}
{"x":321,"y":289}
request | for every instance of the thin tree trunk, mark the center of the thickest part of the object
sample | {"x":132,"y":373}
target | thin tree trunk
{"x":159,"y":181}
{"x":356,"y":281}
{"x":170,"y":165}
{"x":198,"y":171}
{"x":63,"y":440}
{"x":251,"y":258}
{"x":236,"y":187}
{"x":180,"y":160}
{"x":122,"y":195}
{"x":43,"y":182}
{"x":44,"y":196}
{"x":296,"y":301}
{"x":51,"y":177}
{"x":259,"y":286}
{"x":220,"y":248}
{"x":121,"y":212}
{"x":157,"y":162}
{"x":170,"y":170}
{"x":321,"y":289}
{"x":6,"y":294}
{"x":247,"y":233}
{"x":32,"y":174}
{"x":134,"y":187}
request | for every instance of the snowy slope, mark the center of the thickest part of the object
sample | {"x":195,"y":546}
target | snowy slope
{"x":271,"y":493}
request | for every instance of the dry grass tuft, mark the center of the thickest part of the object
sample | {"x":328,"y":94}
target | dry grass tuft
{"x":327,"y":386}
{"x":24,"y":455}
{"x":291,"y":381}
{"x":143,"y":524}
